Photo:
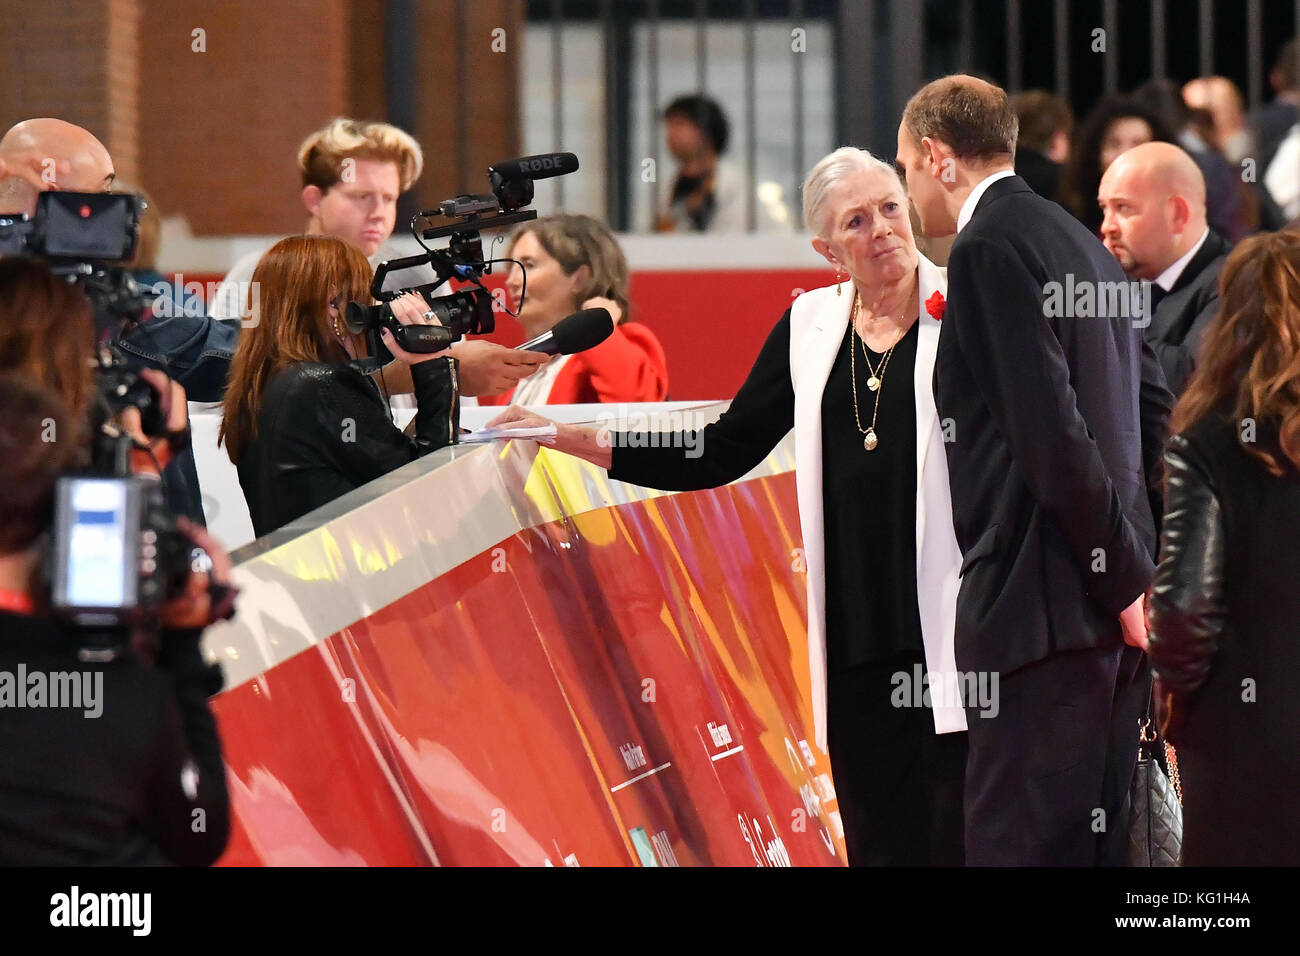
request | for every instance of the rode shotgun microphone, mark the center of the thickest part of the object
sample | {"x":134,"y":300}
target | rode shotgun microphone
{"x":541,"y":166}
{"x":512,"y":179}
{"x":576,"y":333}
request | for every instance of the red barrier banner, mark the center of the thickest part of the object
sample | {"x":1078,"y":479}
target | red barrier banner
{"x":498,"y":656}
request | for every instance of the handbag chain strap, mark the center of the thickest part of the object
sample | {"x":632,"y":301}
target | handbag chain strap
{"x":1171,"y":758}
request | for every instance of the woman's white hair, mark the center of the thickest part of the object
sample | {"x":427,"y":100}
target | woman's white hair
{"x":828,"y":172}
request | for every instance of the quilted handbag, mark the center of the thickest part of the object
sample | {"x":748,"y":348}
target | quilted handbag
{"x":1156,"y":825}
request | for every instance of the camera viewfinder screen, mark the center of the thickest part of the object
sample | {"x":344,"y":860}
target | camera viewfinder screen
{"x":97,"y":544}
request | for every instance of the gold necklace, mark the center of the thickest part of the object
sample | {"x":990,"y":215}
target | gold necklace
{"x":875,"y":377}
{"x":870,"y":439}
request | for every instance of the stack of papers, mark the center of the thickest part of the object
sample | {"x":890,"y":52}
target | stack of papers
{"x":544,"y":434}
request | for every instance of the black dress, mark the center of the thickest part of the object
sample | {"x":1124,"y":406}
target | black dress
{"x":898,"y":784}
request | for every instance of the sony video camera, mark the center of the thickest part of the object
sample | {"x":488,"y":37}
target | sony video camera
{"x":467,"y":311}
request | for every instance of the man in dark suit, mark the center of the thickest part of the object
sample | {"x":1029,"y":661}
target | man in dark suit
{"x":1153,"y":198}
{"x":1056,"y":412}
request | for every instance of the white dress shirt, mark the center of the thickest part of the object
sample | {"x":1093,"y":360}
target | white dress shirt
{"x":968,"y":207}
{"x":1167,"y":278}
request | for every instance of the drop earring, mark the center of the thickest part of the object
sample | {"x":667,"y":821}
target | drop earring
{"x":838,"y":279}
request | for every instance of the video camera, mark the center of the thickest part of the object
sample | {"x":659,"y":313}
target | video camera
{"x":86,"y":237}
{"x":117,"y":555}
{"x":464,"y":312}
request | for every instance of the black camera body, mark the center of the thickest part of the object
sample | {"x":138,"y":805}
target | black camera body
{"x":117,"y":555}
{"x":86,"y":237}
{"x":116,"y":552}
{"x":75,"y":227}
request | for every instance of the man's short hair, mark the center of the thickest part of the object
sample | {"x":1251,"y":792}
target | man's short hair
{"x":970,"y":115}
{"x":1041,"y":115}
{"x":706,"y":114}
{"x":38,"y":442}
{"x":321,"y":155}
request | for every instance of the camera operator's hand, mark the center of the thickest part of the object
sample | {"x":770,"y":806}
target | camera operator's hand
{"x":609,"y":305}
{"x":157,"y":451}
{"x":490,"y":369}
{"x":410,"y":309}
{"x":209,"y":595}
{"x":33,"y":165}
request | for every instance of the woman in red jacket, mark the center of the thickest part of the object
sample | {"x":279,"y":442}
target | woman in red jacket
{"x":572,"y":263}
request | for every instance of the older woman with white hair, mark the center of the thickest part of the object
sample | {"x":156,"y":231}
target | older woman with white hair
{"x":849,"y":368}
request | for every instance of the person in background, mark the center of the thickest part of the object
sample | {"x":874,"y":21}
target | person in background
{"x":352,"y":173}
{"x":1154,"y":224}
{"x":1273,"y":121}
{"x":1226,"y":196}
{"x":709,"y":194}
{"x":1219,"y":97}
{"x":872,"y":484}
{"x":568,"y":263}
{"x":167,"y":338}
{"x":144,"y":265}
{"x":1114,"y":125}
{"x":43,"y":154}
{"x":1046,"y":124}
{"x":1224,"y":605}
{"x":303,"y":425}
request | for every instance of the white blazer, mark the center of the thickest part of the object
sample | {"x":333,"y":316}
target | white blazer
{"x":818,"y":321}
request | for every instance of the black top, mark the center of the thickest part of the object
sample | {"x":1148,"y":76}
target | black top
{"x":118,"y":782}
{"x":323,"y":430}
{"x":1223,"y":612}
{"x":869,"y":501}
{"x":869,"y":497}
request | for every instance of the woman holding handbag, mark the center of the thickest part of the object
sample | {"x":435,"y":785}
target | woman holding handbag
{"x":1225,"y":607}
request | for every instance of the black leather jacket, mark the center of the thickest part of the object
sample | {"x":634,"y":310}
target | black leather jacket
{"x":323,"y":430}
{"x":1188,"y":607}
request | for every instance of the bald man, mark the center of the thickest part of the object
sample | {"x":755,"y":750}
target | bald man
{"x":1154,"y":223}
{"x":37,"y":155}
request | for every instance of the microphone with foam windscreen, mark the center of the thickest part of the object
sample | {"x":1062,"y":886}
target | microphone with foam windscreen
{"x":576,"y":333}
{"x":512,"y":179}
{"x":542,"y":166}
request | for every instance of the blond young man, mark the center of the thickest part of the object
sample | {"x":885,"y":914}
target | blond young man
{"x":352,"y":174}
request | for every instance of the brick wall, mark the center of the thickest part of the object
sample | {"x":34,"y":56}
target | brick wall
{"x":210,"y":122}
{"x":74,"y":59}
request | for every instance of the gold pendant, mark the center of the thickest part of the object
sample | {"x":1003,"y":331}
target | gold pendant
{"x":871,"y":441}
{"x":873,"y":383}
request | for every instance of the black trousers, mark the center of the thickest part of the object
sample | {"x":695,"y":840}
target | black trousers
{"x":898,"y":784}
{"x":1048,"y":775}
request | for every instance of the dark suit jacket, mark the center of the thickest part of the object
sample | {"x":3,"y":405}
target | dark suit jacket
{"x":1057,"y":425}
{"x":1185,"y":311}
